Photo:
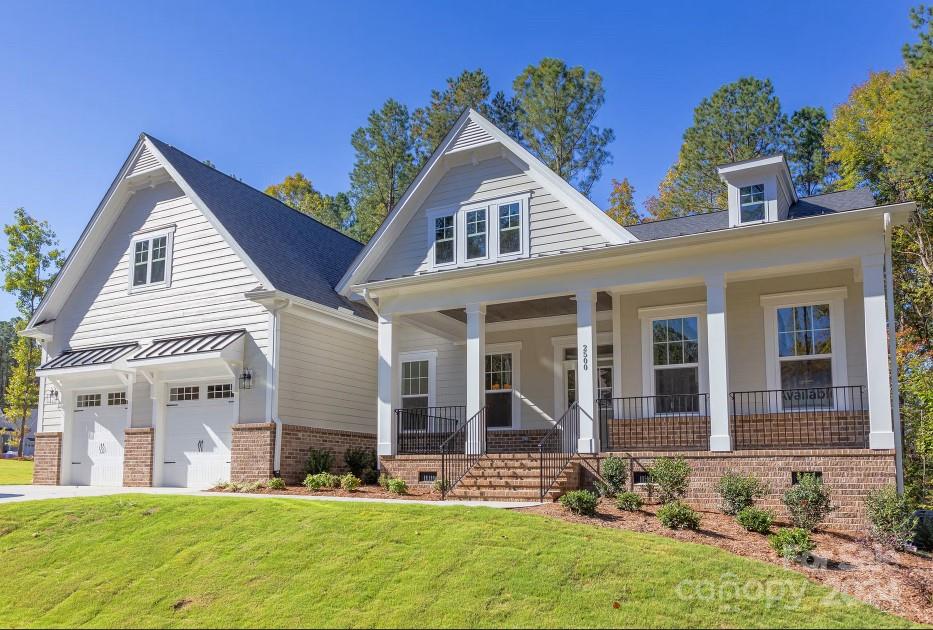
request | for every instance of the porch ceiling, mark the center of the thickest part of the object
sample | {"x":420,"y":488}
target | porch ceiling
{"x":531,"y":309}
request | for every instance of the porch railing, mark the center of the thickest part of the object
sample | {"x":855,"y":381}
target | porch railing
{"x":461,"y":450}
{"x":662,"y":422}
{"x":422,"y":430}
{"x":816,"y":417}
{"x":558,"y":447}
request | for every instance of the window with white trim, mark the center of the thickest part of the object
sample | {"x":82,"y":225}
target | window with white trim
{"x":87,"y":400}
{"x":184,"y":393}
{"x":116,"y":398}
{"x":510,"y":228}
{"x":416,"y":384}
{"x":805,"y":354}
{"x":151,"y":260}
{"x":476,"y":233}
{"x":676,"y":363}
{"x":445,"y":244}
{"x":752,"y":203}
{"x":215,"y":392}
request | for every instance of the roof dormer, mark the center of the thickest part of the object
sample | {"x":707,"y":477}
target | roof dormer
{"x":760,"y":190}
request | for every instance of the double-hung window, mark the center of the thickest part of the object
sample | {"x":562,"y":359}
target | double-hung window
{"x":510,"y":228}
{"x":805,"y":353}
{"x":445,"y":244}
{"x":415,"y":384}
{"x":676,"y":364}
{"x":150,"y":260}
{"x":476,"y":232}
{"x":752,"y":203}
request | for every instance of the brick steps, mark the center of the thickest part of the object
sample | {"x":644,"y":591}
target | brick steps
{"x":509,"y":477}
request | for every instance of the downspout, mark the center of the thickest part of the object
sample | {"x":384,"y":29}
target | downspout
{"x":375,"y":309}
{"x":892,"y":354}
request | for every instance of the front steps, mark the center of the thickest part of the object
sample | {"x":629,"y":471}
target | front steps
{"x":511,"y":477}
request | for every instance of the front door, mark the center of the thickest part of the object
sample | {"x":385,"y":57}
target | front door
{"x":603,"y":380}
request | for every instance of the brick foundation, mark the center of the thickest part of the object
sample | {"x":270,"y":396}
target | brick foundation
{"x":137,"y":457}
{"x":408,"y":467}
{"x":297,"y":442}
{"x":517,"y":441}
{"x":47,"y":459}
{"x":252,"y":454}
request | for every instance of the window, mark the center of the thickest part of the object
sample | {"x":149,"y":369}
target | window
{"x":752,"y":203}
{"x":603,"y":372}
{"x":219,"y":391}
{"x":805,"y":355}
{"x":176,"y":394}
{"x":797,"y":474}
{"x":510,"y":228}
{"x":676,"y":358}
{"x":88,"y":400}
{"x":499,"y":389}
{"x":415,"y":384}
{"x":640,"y":477}
{"x":444,"y":243}
{"x":476,"y":234}
{"x":151,"y":260}
{"x":116,"y":398}
{"x":426,"y":476}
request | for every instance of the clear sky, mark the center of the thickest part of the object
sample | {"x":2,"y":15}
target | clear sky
{"x":264,"y":89}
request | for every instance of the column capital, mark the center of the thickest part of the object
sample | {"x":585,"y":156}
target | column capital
{"x":583,"y":297}
{"x":476,"y":308}
{"x":715,"y":279}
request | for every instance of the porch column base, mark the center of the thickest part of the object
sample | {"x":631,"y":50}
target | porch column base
{"x":586,"y":445}
{"x":384,"y":449}
{"x":720,"y":443}
{"x":881,"y":440}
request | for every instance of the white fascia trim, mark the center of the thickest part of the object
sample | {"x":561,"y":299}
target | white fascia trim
{"x":302,"y":307}
{"x":673,"y":310}
{"x":796,"y":298}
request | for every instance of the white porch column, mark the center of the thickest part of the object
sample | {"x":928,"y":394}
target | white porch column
{"x":385,"y":384}
{"x":476,"y":370}
{"x":717,"y":351}
{"x":616,"y":345}
{"x":876,"y":354}
{"x":586,"y":371}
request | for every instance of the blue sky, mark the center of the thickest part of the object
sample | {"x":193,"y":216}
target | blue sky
{"x":267,"y":89}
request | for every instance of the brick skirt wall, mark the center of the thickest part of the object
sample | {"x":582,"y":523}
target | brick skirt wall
{"x":517,"y":441}
{"x":252,"y":454}
{"x":297,"y":442}
{"x":681,"y":432}
{"x":137,"y":457}
{"x":839,"y":429}
{"x":47,"y":459}
{"x":409,"y":467}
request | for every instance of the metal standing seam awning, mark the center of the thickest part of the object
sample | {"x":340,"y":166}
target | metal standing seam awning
{"x":195,"y":353}
{"x":85,"y":359}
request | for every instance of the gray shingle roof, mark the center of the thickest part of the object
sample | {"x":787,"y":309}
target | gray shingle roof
{"x":842,"y":201}
{"x":298,"y":254}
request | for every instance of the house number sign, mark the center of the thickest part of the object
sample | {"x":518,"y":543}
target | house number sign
{"x":585,"y":356}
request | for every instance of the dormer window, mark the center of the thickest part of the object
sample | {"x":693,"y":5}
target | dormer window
{"x":151,"y":260}
{"x":752,"y":203}
{"x":476,"y":234}
{"x":444,"y":243}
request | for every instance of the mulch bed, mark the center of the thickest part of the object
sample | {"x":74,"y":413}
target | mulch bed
{"x":896,"y":582}
{"x":363,"y":492}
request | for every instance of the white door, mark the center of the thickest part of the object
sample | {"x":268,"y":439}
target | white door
{"x":98,"y":421}
{"x":198,"y":435}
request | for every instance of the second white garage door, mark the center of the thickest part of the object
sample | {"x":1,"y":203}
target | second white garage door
{"x":198,"y":435}
{"x":99,"y":421}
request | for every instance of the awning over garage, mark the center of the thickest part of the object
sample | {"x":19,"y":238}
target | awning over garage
{"x":206,"y":355}
{"x":195,"y":344}
{"x":88,"y":358}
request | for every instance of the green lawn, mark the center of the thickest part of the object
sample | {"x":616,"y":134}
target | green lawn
{"x":137,"y":560}
{"x":15,"y":472}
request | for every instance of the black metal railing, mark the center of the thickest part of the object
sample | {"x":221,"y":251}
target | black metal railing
{"x":422,"y":430}
{"x":461,"y":450}
{"x":558,"y":447}
{"x":662,"y":422}
{"x":815,"y":417}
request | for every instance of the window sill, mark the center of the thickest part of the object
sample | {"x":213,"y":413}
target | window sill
{"x":146,"y":288}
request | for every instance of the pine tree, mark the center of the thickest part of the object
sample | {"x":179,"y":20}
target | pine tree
{"x":806,"y":152}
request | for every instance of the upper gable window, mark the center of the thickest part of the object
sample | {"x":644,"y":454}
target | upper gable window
{"x":444,"y":242}
{"x":752,"y":203}
{"x":476,"y":233}
{"x":510,"y":228}
{"x":151,"y":260}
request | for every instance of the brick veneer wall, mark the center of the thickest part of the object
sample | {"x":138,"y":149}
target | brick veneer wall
{"x":137,"y":457}
{"x":297,"y":442}
{"x":850,"y":474}
{"x":47,"y":459}
{"x":408,"y":467}
{"x":252,"y":454}
{"x":517,"y":441}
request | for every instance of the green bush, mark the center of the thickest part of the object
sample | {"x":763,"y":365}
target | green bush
{"x":580,"y":502}
{"x":739,"y":491}
{"x":891,"y":516}
{"x":384,"y":481}
{"x":362,"y":463}
{"x":755,"y":520}
{"x":441,"y":486}
{"x":276,"y":483}
{"x":253,"y":486}
{"x":321,"y":481}
{"x":614,"y":471}
{"x":791,"y":542}
{"x":629,"y":501}
{"x":350,"y":482}
{"x":808,"y":502}
{"x":397,"y":486}
{"x":319,"y":461}
{"x":670,"y":475}
{"x":677,"y":515}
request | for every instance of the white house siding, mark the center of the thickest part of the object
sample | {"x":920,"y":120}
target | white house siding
{"x":206,"y":293}
{"x":327,"y":376}
{"x":450,"y":365}
{"x":553,"y":226}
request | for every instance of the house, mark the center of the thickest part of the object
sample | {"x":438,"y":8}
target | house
{"x":523,"y":336}
{"x":8,"y":431}
{"x":194,"y":336}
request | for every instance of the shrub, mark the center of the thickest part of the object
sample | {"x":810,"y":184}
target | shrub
{"x":441,"y":485}
{"x":677,"y":515}
{"x":629,"y":501}
{"x":739,"y":491}
{"x":580,"y":502}
{"x":319,"y":461}
{"x":362,"y":463}
{"x":791,"y":542}
{"x":670,"y":476}
{"x":397,"y":486}
{"x":276,"y":483}
{"x":350,"y":482}
{"x":891,"y":516}
{"x":322,"y":480}
{"x":234,"y":486}
{"x":808,"y":502}
{"x":755,"y":520}
{"x":614,"y":471}
{"x":384,"y":481}
{"x":252,"y":486}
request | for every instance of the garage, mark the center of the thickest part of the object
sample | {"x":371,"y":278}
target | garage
{"x":199,"y":421}
{"x":99,"y":421}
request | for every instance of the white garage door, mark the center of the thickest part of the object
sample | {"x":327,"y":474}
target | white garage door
{"x":99,"y":421}
{"x":198,"y":435}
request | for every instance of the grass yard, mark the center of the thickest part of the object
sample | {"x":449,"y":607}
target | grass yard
{"x":15,"y":472}
{"x":139,"y":560}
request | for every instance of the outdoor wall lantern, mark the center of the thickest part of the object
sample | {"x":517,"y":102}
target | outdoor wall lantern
{"x":246,"y":379}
